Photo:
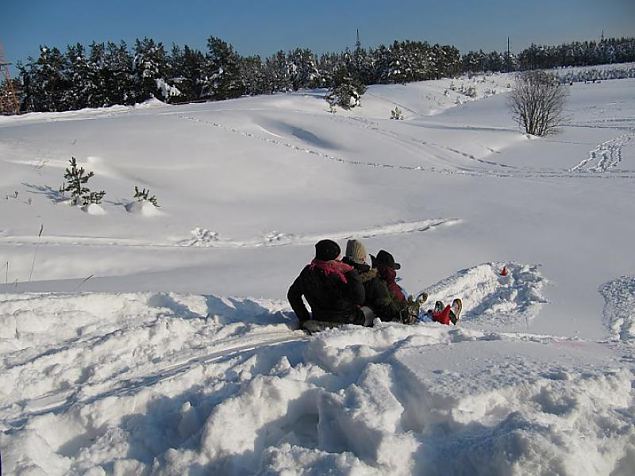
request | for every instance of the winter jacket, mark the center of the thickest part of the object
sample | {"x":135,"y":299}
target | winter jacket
{"x":378,"y":296}
{"x":389,"y":275}
{"x":333,"y":290}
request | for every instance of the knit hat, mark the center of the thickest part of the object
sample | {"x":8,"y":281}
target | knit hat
{"x":355,"y":251}
{"x":327,"y":250}
{"x":384,"y":258}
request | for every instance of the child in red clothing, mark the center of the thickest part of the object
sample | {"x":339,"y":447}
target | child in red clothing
{"x":446,"y":314}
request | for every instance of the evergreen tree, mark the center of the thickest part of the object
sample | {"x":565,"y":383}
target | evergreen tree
{"x":346,"y":91}
{"x":79,"y":94}
{"x":327,"y":66}
{"x":277,"y":73}
{"x":76,"y":178}
{"x":222,"y":78}
{"x":45,"y":81}
{"x":99,"y":94}
{"x":150,"y":69}
{"x":303,"y":70}
{"x":362,"y":65}
{"x":144,"y":195}
{"x":451,"y":62}
{"x":398,"y":67}
{"x":382,"y":59}
{"x":252,"y":70}
{"x":186,"y":69}
{"x":116,"y":74}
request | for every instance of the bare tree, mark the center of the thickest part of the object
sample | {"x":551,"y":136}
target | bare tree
{"x":537,"y":102}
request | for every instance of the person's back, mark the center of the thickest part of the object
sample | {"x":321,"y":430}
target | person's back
{"x":378,"y":296}
{"x":332,"y":289}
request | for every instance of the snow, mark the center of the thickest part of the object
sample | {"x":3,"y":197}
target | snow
{"x":144,"y":208}
{"x":93,"y":209}
{"x":619,"y":307}
{"x":167,"y":91}
{"x":159,"y":340}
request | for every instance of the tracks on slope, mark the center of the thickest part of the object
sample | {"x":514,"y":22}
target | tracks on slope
{"x":502,"y":170}
{"x":202,"y":237}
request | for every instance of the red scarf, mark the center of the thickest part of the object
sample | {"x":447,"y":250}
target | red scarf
{"x":389,"y":275}
{"x":332,"y":267}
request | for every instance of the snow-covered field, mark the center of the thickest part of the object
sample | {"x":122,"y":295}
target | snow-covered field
{"x":137,"y":340}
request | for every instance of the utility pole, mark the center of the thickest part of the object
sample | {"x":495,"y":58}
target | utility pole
{"x":9,"y":103}
{"x":509,"y":58}
{"x":358,"y":44}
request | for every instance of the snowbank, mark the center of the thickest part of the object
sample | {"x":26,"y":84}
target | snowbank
{"x":143,"y":208}
{"x":172,"y":383}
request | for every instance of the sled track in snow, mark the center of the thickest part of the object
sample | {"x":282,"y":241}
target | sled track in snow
{"x":372,"y":125}
{"x":490,"y":299}
{"x":505,"y":172}
{"x":202,"y":237}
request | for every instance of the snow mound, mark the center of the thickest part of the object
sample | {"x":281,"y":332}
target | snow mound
{"x":619,"y":308}
{"x":277,"y":237}
{"x":201,"y":237}
{"x":160,"y":383}
{"x":143,"y":208}
{"x":149,"y":104}
{"x":94,"y":209}
{"x":432,"y":97}
{"x":489,"y":296}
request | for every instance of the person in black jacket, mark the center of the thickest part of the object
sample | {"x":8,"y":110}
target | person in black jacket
{"x":333,"y":289}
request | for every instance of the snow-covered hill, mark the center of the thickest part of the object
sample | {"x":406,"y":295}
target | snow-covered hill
{"x":147,"y":340}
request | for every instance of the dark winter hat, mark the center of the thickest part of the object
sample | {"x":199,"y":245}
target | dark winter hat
{"x":327,"y":250}
{"x":384,"y":258}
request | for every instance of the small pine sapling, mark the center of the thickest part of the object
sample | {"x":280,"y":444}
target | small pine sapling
{"x":93,"y":197}
{"x":144,"y":195}
{"x":396,"y":114}
{"x":75,"y":180}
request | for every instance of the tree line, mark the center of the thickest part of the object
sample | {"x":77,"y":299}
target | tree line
{"x":106,"y":74}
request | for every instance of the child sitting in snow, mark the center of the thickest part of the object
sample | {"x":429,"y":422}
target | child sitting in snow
{"x":446,"y":314}
{"x":387,"y":269}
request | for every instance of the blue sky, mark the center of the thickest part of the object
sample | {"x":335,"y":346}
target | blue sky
{"x":266,"y":26}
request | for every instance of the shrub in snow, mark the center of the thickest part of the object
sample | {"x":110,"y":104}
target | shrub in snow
{"x":396,"y":114}
{"x":537,"y":102}
{"x":144,"y":195}
{"x":76,"y":179}
{"x":470,"y":91}
{"x":93,"y":197}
